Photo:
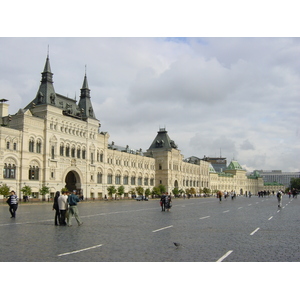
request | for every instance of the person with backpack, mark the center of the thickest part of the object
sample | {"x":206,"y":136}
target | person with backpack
{"x":73,"y":210}
{"x":279,"y":198}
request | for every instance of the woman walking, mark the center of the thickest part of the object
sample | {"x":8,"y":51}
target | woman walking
{"x":56,"y":208}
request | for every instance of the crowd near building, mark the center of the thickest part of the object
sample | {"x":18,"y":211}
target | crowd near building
{"x":57,"y":142}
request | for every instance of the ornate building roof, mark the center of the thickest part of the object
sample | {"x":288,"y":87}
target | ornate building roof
{"x":163,"y":141}
{"x":47,"y":95}
{"x":234,"y":165}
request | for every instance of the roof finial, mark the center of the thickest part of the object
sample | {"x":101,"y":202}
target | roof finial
{"x":48,"y":52}
{"x":85,"y":70}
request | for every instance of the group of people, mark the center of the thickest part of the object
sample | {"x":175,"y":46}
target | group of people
{"x":165,"y":202}
{"x":65,"y":206}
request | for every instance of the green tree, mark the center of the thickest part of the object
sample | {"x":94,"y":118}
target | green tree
{"x":132,"y":192}
{"x":111,"y":190}
{"x":295,"y":183}
{"x":64,"y":189}
{"x":147,"y":192}
{"x":120,"y":190}
{"x":175,"y":191}
{"x":26,"y":190}
{"x":206,"y":191}
{"x":162,"y":189}
{"x":139,"y":190}
{"x":193,"y":191}
{"x":155,"y":191}
{"x":4,"y":190}
{"x":44,"y":190}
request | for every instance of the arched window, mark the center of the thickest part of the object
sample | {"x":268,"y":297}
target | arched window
{"x":99,"y":177}
{"x":31,"y":145}
{"x":118,"y":179}
{"x":109,"y":179}
{"x":125,"y":180}
{"x":61,"y":149}
{"x":9,"y":171}
{"x":52,"y":152}
{"x":38,"y":146}
{"x":78,"y":152}
{"x":67,"y":150}
{"x":33,"y":173}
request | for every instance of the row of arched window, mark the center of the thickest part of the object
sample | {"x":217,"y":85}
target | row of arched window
{"x":35,"y":146}
{"x":9,"y":172}
{"x":125,"y":180}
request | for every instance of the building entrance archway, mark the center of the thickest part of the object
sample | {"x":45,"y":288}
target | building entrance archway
{"x":72,"y":181}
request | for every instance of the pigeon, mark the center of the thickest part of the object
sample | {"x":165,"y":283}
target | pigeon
{"x":177,"y":244}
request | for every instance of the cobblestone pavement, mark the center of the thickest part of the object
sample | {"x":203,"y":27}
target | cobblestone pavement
{"x":240,"y":230}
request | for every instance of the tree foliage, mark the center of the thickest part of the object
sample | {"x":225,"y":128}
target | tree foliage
{"x":26,"y":190}
{"x":111,"y":190}
{"x":4,"y":190}
{"x":295,"y":183}
{"x":140,"y":190}
{"x":120,"y":190}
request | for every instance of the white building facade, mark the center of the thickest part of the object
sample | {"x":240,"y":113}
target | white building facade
{"x":56,"y":142}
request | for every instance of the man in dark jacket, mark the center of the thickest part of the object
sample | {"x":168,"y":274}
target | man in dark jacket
{"x":12,"y":201}
{"x":73,"y":210}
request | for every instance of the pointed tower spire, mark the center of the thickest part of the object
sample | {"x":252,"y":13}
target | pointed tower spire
{"x":85,"y":103}
{"x":46,"y":93}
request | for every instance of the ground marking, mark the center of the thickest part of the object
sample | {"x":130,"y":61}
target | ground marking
{"x":204,"y":217}
{"x":240,"y":207}
{"x":162,"y":228}
{"x":254,"y":231}
{"x":67,"y":253}
{"x":249,"y":204}
{"x":270,"y":218}
{"x":225,"y":211}
{"x":224,"y":256}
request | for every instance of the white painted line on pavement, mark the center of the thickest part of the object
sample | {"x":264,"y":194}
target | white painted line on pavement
{"x":249,"y":204}
{"x":162,"y":228}
{"x":270,"y":218}
{"x":254,"y":231}
{"x":240,"y":207}
{"x":225,"y":211}
{"x":204,"y":217}
{"x":224,"y":256}
{"x":85,"y":249}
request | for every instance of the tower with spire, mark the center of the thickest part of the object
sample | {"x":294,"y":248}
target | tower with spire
{"x":85,"y":103}
{"x":46,"y":95}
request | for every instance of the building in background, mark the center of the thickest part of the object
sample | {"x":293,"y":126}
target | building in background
{"x":56,"y":141}
{"x":278,"y":176}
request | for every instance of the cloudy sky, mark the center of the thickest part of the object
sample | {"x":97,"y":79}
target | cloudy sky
{"x":238,"y":97}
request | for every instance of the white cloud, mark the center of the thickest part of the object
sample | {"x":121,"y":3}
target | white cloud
{"x":240,"y":95}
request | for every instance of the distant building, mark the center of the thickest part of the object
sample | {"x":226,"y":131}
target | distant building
{"x":283,"y":178}
{"x":218,"y":163}
{"x":56,"y":141}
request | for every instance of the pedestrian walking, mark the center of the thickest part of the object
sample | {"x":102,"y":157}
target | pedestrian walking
{"x":163,"y":202}
{"x":168,"y":202}
{"x":12,"y":201}
{"x":279,"y":198}
{"x":63,"y":207}
{"x":56,"y":208}
{"x":73,"y":210}
{"x":219,"y":195}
